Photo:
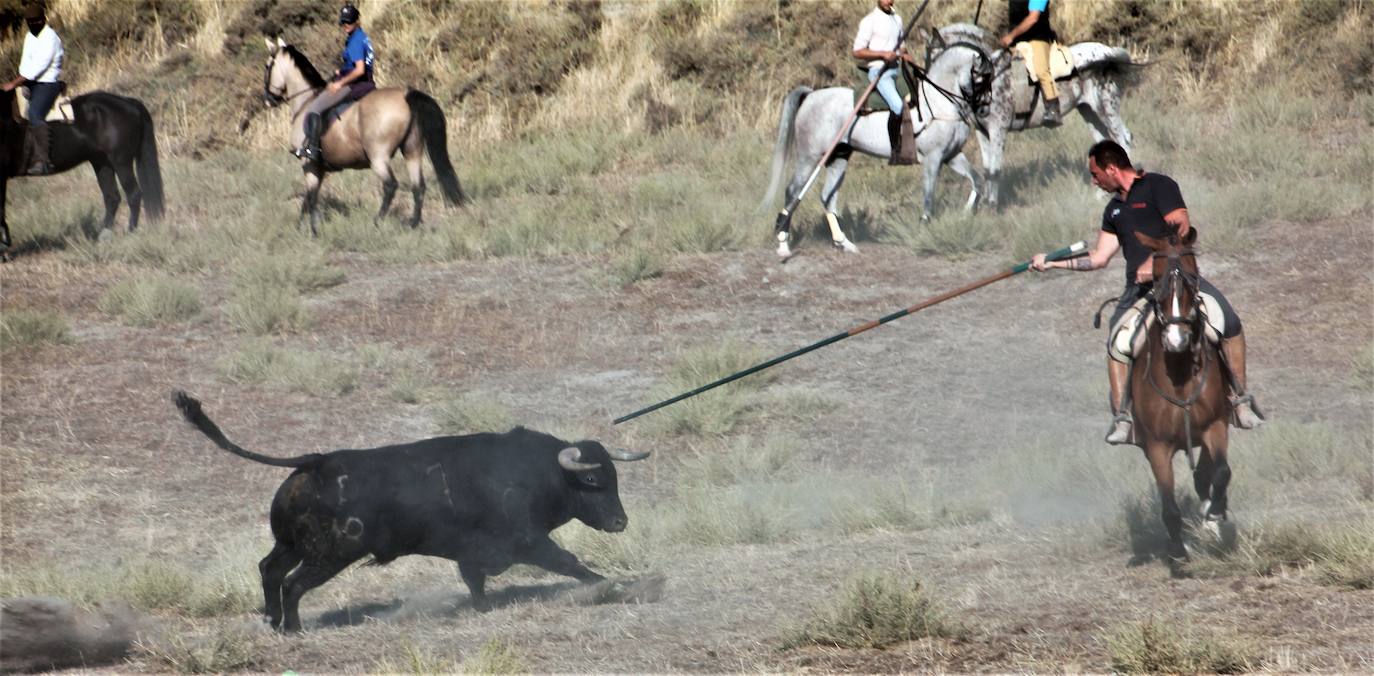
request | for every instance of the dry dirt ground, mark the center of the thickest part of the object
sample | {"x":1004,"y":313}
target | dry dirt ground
{"x":97,"y":465}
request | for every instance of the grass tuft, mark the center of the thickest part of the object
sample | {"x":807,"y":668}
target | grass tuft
{"x":876,"y":611}
{"x":1154,"y":647}
{"x":24,"y":327}
{"x":496,"y":656}
{"x":471,"y":414}
{"x":718,"y":411}
{"x":151,"y":299}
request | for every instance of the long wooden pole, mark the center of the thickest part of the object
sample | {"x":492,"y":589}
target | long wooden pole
{"x":786,"y":214}
{"x":1070,"y":251}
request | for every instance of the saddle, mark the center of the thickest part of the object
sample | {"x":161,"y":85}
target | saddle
{"x":1127,"y":337}
{"x":1025,"y":92}
{"x":355,"y":94}
{"x":1061,"y":60}
{"x":61,"y":109}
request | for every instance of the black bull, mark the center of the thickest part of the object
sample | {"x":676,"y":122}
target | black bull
{"x":486,"y":501}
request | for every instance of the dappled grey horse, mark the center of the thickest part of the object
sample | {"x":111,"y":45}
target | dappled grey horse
{"x":1094,"y":90}
{"x":811,"y":120}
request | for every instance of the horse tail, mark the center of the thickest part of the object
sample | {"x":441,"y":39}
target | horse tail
{"x":434,"y":131}
{"x":1110,"y":62}
{"x":781,"y":149}
{"x":149,"y":171}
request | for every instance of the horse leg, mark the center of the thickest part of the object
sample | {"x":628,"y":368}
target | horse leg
{"x":4,"y":225}
{"x":1161,"y":457}
{"x":417,"y":180}
{"x":310,"y":201}
{"x":1215,"y":440}
{"x":930,"y":172}
{"x":990,"y":145}
{"x":109,"y":192}
{"x":381,"y":166}
{"x":1109,"y":109}
{"x":963,"y":167}
{"x":782,"y":228}
{"x":132,"y":192}
{"x":1096,"y":126}
{"x":830,"y":200}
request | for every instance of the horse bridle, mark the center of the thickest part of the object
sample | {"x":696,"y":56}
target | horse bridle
{"x":1169,"y":286}
{"x":272,"y":97}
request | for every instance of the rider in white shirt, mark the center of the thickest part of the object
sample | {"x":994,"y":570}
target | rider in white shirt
{"x":876,"y":43}
{"x":40,"y":67}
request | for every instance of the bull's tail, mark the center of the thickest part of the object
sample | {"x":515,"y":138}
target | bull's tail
{"x":190,"y":409}
{"x":781,"y":149}
{"x":434,"y":131}
{"x":149,"y":171}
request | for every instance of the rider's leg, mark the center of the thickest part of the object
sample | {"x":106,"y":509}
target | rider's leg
{"x":1040,"y":58}
{"x":42,"y":96}
{"x":887,"y":88}
{"x":1248,"y":416}
{"x":301,"y":141}
{"x":1119,"y":380}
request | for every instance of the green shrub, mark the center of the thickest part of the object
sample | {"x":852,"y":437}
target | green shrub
{"x":719,"y":410}
{"x":316,"y":373}
{"x":260,"y":308}
{"x":876,"y":611}
{"x":470,"y":414}
{"x":22,"y":327}
{"x":151,"y":299}
{"x":496,"y":656}
{"x":1154,"y":647}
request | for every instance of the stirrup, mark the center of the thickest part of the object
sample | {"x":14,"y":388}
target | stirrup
{"x":1122,"y":431}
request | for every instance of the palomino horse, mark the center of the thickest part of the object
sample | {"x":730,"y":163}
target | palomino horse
{"x":811,"y":120}
{"x":113,"y":133}
{"x":1094,"y":90}
{"x":1178,"y":390}
{"x":366,"y":135}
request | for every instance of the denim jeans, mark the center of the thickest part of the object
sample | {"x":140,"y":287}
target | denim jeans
{"x":887,"y":87}
{"x":42,"y":96}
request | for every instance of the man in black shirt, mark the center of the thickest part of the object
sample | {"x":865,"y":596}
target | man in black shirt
{"x":1029,"y":21}
{"x":1152,"y":205}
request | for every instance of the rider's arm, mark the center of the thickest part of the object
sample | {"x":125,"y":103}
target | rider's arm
{"x":1020,"y":28}
{"x":1179,"y":219}
{"x":359,"y":70}
{"x":9,"y":86}
{"x":1106,"y":247}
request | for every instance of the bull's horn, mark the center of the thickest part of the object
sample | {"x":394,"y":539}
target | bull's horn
{"x":570,"y":459}
{"x":626,"y":456}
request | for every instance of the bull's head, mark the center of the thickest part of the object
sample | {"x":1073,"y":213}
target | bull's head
{"x":591,"y":474}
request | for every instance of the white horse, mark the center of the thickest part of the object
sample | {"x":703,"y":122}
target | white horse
{"x":811,"y":120}
{"x":1094,"y":90}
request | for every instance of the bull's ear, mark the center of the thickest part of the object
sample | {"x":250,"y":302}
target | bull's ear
{"x":1150,"y":243}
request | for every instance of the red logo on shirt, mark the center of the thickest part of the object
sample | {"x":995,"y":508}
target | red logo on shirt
{"x":1138,"y":205}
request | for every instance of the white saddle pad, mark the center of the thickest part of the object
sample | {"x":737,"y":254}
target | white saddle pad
{"x":61,"y":110}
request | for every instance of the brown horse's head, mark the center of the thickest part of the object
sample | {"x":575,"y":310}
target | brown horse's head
{"x":1176,"y":298}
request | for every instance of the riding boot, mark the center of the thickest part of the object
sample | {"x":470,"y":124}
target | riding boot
{"x":311,"y":152}
{"x":1247,"y":414}
{"x":1119,"y":380}
{"x":894,"y":137}
{"x":1051,"y":117}
{"x":38,"y":162}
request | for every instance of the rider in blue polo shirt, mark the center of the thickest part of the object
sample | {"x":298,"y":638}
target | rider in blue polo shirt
{"x":352,"y":81}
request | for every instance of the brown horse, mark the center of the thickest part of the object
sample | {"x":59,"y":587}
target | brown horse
{"x":1178,"y":390}
{"x":366,"y":135}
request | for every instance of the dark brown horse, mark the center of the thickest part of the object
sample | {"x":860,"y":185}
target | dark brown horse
{"x":1178,"y":390}
{"x":113,"y":133}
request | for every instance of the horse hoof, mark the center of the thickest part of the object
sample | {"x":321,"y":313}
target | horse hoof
{"x":105,"y":235}
{"x":784,"y":251}
{"x":845,"y":245}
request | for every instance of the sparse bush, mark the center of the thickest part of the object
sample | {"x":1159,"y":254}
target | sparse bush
{"x":149,"y":300}
{"x":1339,"y":556}
{"x":1154,"y":647}
{"x":496,"y":656}
{"x":637,"y":265}
{"x":876,"y":611}
{"x":718,"y":411}
{"x":416,"y":660}
{"x":223,"y":649}
{"x":470,"y":414}
{"x":303,"y":272}
{"x":259,"y":308}
{"x":23,"y":327}
{"x":315,"y":373}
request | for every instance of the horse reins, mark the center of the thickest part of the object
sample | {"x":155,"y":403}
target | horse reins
{"x":1177,"y":273}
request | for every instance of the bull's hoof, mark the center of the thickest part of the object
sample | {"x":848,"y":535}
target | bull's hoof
{"x":481,"y":605}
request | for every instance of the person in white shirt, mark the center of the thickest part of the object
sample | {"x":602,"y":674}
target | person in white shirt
{"x":876,"y":43}
{"x":40,"y":67}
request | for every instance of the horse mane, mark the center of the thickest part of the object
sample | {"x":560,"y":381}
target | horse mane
{"x":312,"y":76}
